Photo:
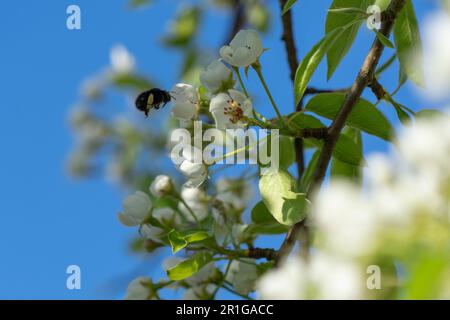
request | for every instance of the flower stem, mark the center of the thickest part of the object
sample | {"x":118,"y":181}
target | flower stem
{"x":188,"y":208}
{"x":238,"y":75}
{"x":261,"y":78}
{"x":227,"y":269}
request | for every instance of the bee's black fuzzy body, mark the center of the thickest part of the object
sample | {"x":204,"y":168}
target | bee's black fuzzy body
{"x":152,"y":98}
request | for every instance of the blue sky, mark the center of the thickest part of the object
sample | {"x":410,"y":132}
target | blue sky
{"x":49,"y":220}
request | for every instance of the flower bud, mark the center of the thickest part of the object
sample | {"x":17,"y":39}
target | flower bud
{"x":161,"y":186}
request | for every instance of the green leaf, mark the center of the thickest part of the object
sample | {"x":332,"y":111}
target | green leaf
{"x":347,"y":151}
{"x":342,"y":169}
{"x":311,"y":61}
{"x":384,"y":40}
{"x":364,"y":115}
{"x":131,"y":81}
{"x":184,"y":27}
{"x":385,"y":65}
{"x":307,"y":177}
{"x":403,"y":113}
{"x":345,"y":40}
{"x":196,"y":236}
{"x":287,"y":151}
{"x":264,"y":222}
{"x":177,"y":241}
{"x":288,"y":5}
{"x":408,"y":44}
{"x":429,"y":113}
{"x":300,"y":120}
{"x":260,"y":214}
{"x":277,"y":190}
{"x":189,"y":267}
{"x":134,"y":4}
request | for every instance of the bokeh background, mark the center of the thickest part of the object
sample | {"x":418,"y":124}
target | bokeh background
{"x":50,"y":220}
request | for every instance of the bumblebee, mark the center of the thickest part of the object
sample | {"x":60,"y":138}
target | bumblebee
{"x":152,"y":98}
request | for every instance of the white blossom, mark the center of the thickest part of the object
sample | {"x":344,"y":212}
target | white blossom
{"x":322,"y":277}
{"x":201,"y":292}
{"x":436,"y":31}
{"x":161,"y":186}
{"x":197,"y":200}
{"x":229,"y":108}
{"x":191,"y":165}
{"x":244,"y":50}
{"x":345,"y":218}
{"x":284,"y":283}
{"x":136,"y":209}
{"x":234,"y":191}
{"x":243,"y":275}
{"x":150,"y":232}
{"x":122,"y":61}
{"x":334,"y":278}
{"x":185,"y":101}
{"x":215,"y":76}
{"x":165,"y":215}
{"x":139,"y":289}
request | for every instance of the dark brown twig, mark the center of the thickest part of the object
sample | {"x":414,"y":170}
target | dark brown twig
{"x":259,"y":253}
{"x":312,"y":90}
{"x":238,"y":20}
{"x":363,"y":79}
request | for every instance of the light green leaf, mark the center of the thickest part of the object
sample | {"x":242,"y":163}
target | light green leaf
{"x":345,"y":40}
{"x":177,"y":241}
{"x":277,"y":190}
{"x":408,"y":44}
{"x":189,"y":267}
{"x":288,"y":5}
{"x":384,"y":40}
{"x":364,"y":115}
{"x":196,"y":236}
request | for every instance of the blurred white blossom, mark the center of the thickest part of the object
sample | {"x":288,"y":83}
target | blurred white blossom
{"x":243,"y":275}
{"x":284,"y":283}
{"x":136,"y":209}
{"x":122,"y":61}
{"x":436,"y":31}
{"x":139,"y":289}
{"x":235,"y":192}
{"x":197,"y":200}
